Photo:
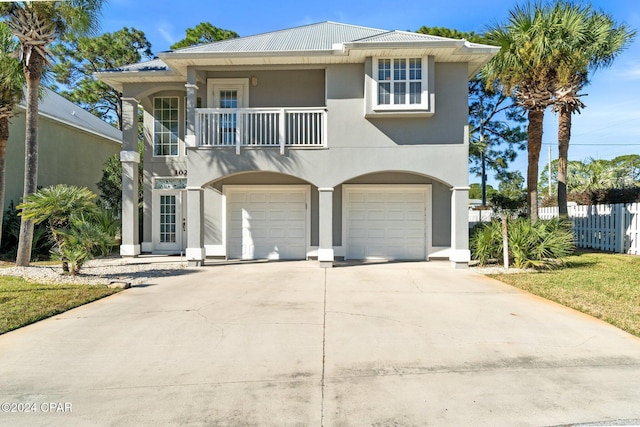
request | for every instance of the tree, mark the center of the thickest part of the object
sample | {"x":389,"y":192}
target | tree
{"x":588,"y":40}
{"x":524,"y":67}
{"x":11,"y":91}
{"x":494,"y":139}
{"x":37,"y":25}
{"x":203,"y":33}
{"x":57,"y":206}
{"x":79,"y":57}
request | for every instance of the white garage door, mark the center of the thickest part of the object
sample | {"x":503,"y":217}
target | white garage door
{"x":387,"y":222}
{"x":267,"y":223}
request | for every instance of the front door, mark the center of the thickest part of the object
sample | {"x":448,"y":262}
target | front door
{"x":170,"y":221}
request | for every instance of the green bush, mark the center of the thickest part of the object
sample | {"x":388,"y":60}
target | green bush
{"x":486,"y":242}
{"x":540,"y":245}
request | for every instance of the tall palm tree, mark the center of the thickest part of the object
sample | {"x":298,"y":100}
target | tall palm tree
{"x":589,"y":40}
{"x":37,"y":25}
{"x":11,"y":90}
{"x":524,"y":68}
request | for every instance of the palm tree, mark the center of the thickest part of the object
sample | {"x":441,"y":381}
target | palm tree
{"x":37,"y":25}
{"x":11,"y":90}
{"x":524,"y":68}
{"x":588,"y":40}
{"x":58,"y":205}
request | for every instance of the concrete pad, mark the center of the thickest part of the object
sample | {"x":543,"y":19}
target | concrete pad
{"x":289,"y":343}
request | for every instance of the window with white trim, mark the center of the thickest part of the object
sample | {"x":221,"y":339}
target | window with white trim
{"x":399,"y":81}
{"x":400,"y":87}
{"x":165,"y":130}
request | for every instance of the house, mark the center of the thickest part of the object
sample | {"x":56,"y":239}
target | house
{"x":73,"y":146}
{"x":325,"y":141}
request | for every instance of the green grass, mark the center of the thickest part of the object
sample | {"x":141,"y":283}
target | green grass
{"x":22,"y":302}
{"x":606,"y":286}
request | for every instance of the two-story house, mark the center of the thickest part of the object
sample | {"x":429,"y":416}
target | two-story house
{"x":323,"y":141}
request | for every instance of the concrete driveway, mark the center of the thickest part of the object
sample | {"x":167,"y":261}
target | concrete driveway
{"x":406,"y":344}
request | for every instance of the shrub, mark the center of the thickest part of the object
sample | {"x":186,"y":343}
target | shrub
{"x":539,"y":245}
{"x":486,"y":242}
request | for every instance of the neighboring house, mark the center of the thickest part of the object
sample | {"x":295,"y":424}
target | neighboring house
{"x":323,"y":141}
{"x":73,"y":146}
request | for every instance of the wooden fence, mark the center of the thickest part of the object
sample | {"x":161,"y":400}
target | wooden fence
{"x":610,"y":228}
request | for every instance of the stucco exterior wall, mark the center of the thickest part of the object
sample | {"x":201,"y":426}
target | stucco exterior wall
{"x":360,"y":150}
{"x":66,"y":155}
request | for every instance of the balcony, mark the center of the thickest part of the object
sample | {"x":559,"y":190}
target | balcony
{"x":261,"y":128}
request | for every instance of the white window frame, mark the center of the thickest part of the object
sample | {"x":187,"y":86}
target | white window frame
{"x":153,"y":113}
{"x":424,"y":108}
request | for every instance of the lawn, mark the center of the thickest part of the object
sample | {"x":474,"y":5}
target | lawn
{"x":22,"y":302}
{"x":606,"y":286}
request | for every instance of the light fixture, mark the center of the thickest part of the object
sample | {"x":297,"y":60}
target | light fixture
{"x":254,"y":81}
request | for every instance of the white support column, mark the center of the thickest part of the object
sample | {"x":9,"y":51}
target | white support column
{"x":192,"y":100}
{"x":130,"y":158}
{"x":460,"y":254}
{"x":195,"y":227}
{"x":325,"y":248}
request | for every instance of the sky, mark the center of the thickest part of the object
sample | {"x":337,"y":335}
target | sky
{"x":608,"y":127}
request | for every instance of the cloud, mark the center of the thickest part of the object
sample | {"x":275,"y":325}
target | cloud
{"x":165,"y":31}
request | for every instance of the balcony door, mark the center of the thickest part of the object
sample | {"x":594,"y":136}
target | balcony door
{"x":228,"y":94}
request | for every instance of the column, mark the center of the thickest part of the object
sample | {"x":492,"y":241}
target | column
{"x":192,"y":99}
{"x":459,"y":254}
{"x":325,"y":218}
{"x":195,"y":227}
{"x":130,"y":158}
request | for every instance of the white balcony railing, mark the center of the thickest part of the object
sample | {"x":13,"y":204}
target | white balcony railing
{"x":261,"y":127}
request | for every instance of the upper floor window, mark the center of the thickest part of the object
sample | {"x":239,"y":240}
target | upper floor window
{"x":399,"y":81}
{"x":165,"y":130}
{"x":399,"y":86}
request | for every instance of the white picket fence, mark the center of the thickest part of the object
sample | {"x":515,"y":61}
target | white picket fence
{"x":609,"y":228}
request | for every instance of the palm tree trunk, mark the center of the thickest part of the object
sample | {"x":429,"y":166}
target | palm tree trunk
{"x":4,"y":137}
{"x":33,"y":72}
{"x":534,"y":145}
{"x":564,"y":135}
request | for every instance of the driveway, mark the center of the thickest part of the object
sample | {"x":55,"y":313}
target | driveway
{"x":398,"y":344}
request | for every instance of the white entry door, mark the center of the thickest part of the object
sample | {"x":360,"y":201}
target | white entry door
{"x":169,"y":234}
{"x":269,"y":222}
{"x":387,"y":221}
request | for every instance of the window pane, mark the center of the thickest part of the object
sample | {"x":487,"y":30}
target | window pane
{"x":384,"y":69}
{"x":165,"y":138}
{"x":415,"y":93}
{"x":399,"y":93}
{"x":384,"y":93}
{"x":415,"y":69}
{"x":399,"y":69}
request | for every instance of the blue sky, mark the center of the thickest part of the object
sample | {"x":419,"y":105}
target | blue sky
{"x":608,"y":127}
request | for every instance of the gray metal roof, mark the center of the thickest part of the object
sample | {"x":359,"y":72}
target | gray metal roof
{"x":152,"y":65}
{"x":320,"y":36}
{"x":58,"y":108}
{"x":401,"y":36}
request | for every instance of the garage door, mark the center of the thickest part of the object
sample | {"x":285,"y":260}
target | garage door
{"x":386,"y":222}
{"x":267,"y":223}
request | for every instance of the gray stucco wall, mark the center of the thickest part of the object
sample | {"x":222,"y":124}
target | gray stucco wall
{"x":359,"y":150}
{"x":66,"y":155}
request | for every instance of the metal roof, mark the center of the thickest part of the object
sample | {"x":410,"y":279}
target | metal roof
{"x":313,"y":37}
{"x":58,"y":108}
{"x":400,"y":36}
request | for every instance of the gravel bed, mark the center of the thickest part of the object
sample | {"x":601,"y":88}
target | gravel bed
{"x":97,"y":272}
{"x":494,"y":269}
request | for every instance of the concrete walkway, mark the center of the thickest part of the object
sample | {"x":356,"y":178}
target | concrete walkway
{"x":278,"y":344}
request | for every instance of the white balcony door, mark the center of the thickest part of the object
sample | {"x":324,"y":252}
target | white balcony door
{"x":228,"y":94}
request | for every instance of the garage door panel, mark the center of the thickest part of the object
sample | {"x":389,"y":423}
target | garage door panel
{"x":267,"y":223}
{"x":387,"y":223}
